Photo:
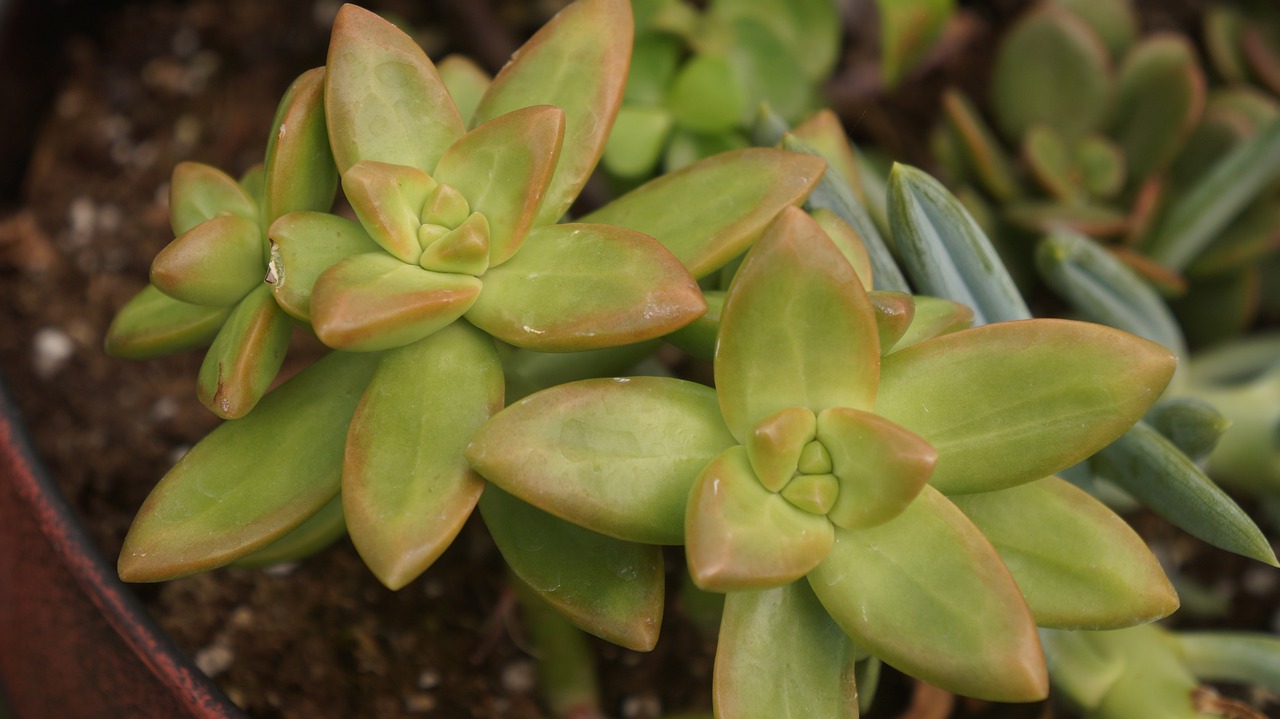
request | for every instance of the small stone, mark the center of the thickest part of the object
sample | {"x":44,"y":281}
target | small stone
{"x":519,"y":677}
{"x":215,"y":659}
{"x":641,"y":706}
{"x":419,"y":703}
{"x":164,"y":409}
{"x":82,"y":216}
{"x":280,"y":570}
{"x":51,"y":349}
{"x":428,"y":679}
{"x":241,"y":618}
{"x":1259,"y":580}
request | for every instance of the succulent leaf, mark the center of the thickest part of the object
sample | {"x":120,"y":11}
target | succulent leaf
{"x":775,"y":443}
{"x":304,"y":245}
{"x":198,"y":193}
{"x":154,"y":324}
{"x":466,"y":83}
{"x":389,"y":199}
{"x":463,"y":250}
{"x":215,"y":263}
{"x":881,"y":467}
{"x":847,"y":241}
{"x":895,"y":313}
{"x":1160,"y":95}
{"x":933,"y":317}
{"x":300,"y":173}
{"x":245,"y":355}
{"x":320,"y":530}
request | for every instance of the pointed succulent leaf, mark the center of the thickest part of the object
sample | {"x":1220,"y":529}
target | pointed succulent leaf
{"x":813,"y":493}
{"x":979,"y":146}
{"x":654,"y":435}
{"x":794,"y":306}
{"x":846,"y":239}
{"x":245,"y":356}
{"x":711,"y":211}
{"x":895,"y":313}
{"x":698,"y":338}
{"x":320,"y":530}
{"x":1102,"y":166}
{"x":1028,"y":82}
{"x":466,"y":82}
{"x":463,"y":250}
{"x":198,"y":193}
{"x":944,"y":250}
{"x":374,"y":301}
{"x":780,"y":655}
{"x":807,"y":30}
{"x":1051,"y":161}
{"x":824,"y":133}
{"x":503,"y":168}
{"x":252,"y":480}
{"x":383,"y":97}
{"x":215,"y":263}
{"x":775,"y":443}
{"x":934,"y":317}
{"x":1236,"y":657}
{"x":577,"y":62}
{"x":154,"y":324}
{"x":610,"y":588}
{"x":1077,"y":563}
{"x":1012,"y":402}
{"x":388,"y":199}
{"x":254,"y":183}
{"x":529,"y":371}
{"x":1148,"y":467}
{"x":928,"y":595}
{"x":305,"y":244}
{"x":639,"y":136}
{"x":300,"y":173}
{"x":1189,"y":423}
{"x":1160,"y":95}
{"x":406,"y":486}
{"x":1084,"y":669}
{"x":582,"y":286}
{"x":881,"y":466}
{"x":739,"y":535}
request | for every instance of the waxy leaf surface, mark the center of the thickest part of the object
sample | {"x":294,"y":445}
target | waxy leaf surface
{"x":251,"y":480}
{"x":198,"y":193}
{"x":796,"y":331}
{"x":383,"y":98}
{"x":739,"y":535}
{"x":578,"y":286}
{"x":711,"y":211}
{"x":245,"y":356}
{"x":1077,"y":564}
{"x":406,"y":485}
{"x":299,"y":172}
{"x":927,"y":594}
{"x":305,"y":244}
{"x":388,"y":199}
{"x":780,"y":656}
{"x":577,"y":62}
{"x":1012,"y":402}
{"x":775,"y":444}
{"x":606,"y":586}
{"x":153,"y":324}
{"x":215,"y":263}
{"x":881,"y":466}
{"x":617,"y":456}
{"x":466,"y":81}
{"x":320,"y":530}
{"x":934,"y":317}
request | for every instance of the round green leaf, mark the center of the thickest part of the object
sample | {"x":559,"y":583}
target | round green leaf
{"x":305,"y":244}
{"x":215,"y":263}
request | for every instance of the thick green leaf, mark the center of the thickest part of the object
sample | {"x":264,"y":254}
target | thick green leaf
{"x":1191,"y":424}
{"x":383,"y":98}
{"x":1102,"y":166}
{"x":1153,"y":680}
{"x":1083,"y":670}
{"x":808,"y":30}
{"x":617,"y":456}
{"x":245,"y":356}
{"x":934,"y":317}
{"x":908,"y":31}
{"x":775,"y":444}
{"x":1236,"y":657}
{"x":825,"y":133}
{"x":881,"y":466}
{"x":637,"y":141}
{"x":1115,"y":22}
{"x":529,"y":371}
{"x":610,"y":588}
{"x":1012,"y":402}
{"x":463,"y":250}
{"x":1052,"y":163}
{"x":215,"y":263}
{"x":577,"y":62}
{"x":698,"y":338}
{"x":154,"y":324}
{"x":945,"y":252}
{"x":578,"y":286}
{"x":466,"y":82}
{"x":320,"y":530}
{"x":797,"y":329}
{"x":373,"y":301}
{"x":780,"y":656}
{"x":1078,"y":565}
{"x":406,"y":485}
{"x":927,"y":594}
{"x":305,"y":244}
{"x":846,"y":239}
{"x":300,"y":173}
{"x":1160,"y":95}
{"x":389,"y":201}
{"x":251,"y":480}
{"x":1051,"y":68}
{"x":711,"y":211}
{"x":503,"y":168}
{"x":895,"y":313}
{"x":739,"y":535}
{"x":198,"y":193}
{"x":706,"y":95}
{"x":980,"y":148}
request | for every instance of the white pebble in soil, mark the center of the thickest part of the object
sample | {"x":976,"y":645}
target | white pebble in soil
{"x":641,"y":706}
{"x":419,"y":703}
{"x":519,"y":677}
{"x":215,"y":659}
{"x":1259,"y":580}
{"x":428,"y":679}
{"x":51,"y":349}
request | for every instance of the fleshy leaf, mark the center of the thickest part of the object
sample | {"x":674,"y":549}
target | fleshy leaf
{"x":153,"y":324}
{"x":980,"y":148}
{"x":698,"y":338}
{"x":1078,"y":565}
{"x":577,"y":286}
{"x":245,"y":356}
{"x":637,"y":141}
{"x":775,"y":443}
{"x":503,"y":168}
{"x":198,"y":193}
{"x":215,"y":263}
{"x":320,"y":530}
{"x":383,"y":98}
{"x":252,"y":480}
{"x":617,"y":456}
{"x":739,"y":535}
{"x":1160,"y":95}
{"x":406,"y":486}
{"x":463,"y":250}
{"x":846,"y":239}
{"x":927,"y":594}
{"x":711,"y":211}
{"x":577,"y":62}
{"x":299,"y":172}
{"x":1238,"y":657}
{"x":305,"y":244}
{"x":388,"y":199}
{"x":466,"y":82}
{"x":824,"y":133}
{"x":881,"y":466}
{"x":908,"y":31}
{"x":933,"y":317}
{"x":895,"y":314}
{"x":797,"y":329}
{"x":610,"y":588}
{"x":706,"y":95}
{"x":1012,"y":402}
{"x":374,"y":301}
{"x":780,"y":655}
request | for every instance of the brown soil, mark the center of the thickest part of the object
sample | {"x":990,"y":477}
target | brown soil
{"x":158,"y":83}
